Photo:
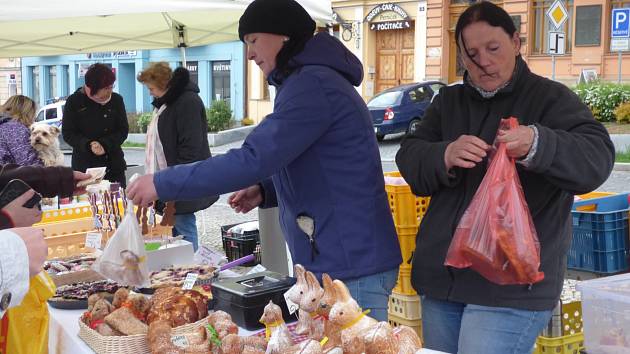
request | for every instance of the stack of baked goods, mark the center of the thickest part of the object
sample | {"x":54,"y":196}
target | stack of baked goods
{"x":122,"y":325}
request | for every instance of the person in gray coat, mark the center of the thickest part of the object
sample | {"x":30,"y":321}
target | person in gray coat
{"x":561,"y":150}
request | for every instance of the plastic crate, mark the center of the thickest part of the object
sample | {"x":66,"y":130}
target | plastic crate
{"x":571,"y":344}
{"x":396,"y":321}
{"x":606,"y":313}
{"x":572,"y":318}
{"x":591,"y":195}
{"x":65,"y":214}
{"x":407,"y":241}
{"x":407,"y":209}
{"x":600,"y":237}
{"x":403,"y":285}
{"x":241,"y":245}
{"x":404,"y":306}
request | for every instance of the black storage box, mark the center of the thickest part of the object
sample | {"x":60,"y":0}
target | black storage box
{"x":240,"y":245}
{"x":246,"y":297}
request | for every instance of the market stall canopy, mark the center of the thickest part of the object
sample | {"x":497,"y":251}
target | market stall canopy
{"x":39,"y":27}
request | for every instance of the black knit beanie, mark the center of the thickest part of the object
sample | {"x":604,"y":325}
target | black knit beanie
{"x":284,"y":17}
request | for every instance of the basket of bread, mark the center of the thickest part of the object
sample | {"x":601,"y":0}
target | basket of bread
{"x":122,"y":325}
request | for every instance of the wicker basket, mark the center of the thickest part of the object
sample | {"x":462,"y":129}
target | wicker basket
{"x":135,"y":344}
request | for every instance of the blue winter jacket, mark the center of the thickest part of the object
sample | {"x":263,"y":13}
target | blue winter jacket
{"x":319,"y":148}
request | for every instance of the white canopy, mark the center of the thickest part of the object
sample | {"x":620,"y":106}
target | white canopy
{"x":55,"y":27}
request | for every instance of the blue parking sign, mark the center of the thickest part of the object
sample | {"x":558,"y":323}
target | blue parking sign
{"x":620,"y":23}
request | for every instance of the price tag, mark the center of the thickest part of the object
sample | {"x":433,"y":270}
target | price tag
{"x":190,"y":280}
{"x":292,"y":306}
{"x":207,"y":256}
{"x":180,"y":341}
{"x":93,"y":240}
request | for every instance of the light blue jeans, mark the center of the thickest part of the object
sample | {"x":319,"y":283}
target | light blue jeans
{"x":186,"y":224}
{"x":472,"y":329}
{"x":372,"y":292}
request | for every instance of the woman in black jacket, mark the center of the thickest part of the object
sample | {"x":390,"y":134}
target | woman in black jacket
{"x":177,"y":134}
{"x":561,"y":151}
{"x":95,"y":124}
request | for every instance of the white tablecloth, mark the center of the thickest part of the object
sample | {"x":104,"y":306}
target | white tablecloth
{"x":64,"y":334}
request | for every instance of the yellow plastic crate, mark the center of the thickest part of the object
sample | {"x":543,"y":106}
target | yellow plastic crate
{"x":571,"y":344}
{"x":70,"y":213}
{"x":67,"y":227}
{"x":65,"y":214}
{"x":407,"y":241}
{"x":572,"y":318}
{"x":407,"y":209}
{"x":404,"y":306}
{"x":396,"y":321}
{"x":403,"y":286}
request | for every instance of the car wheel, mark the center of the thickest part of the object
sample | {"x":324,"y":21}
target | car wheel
{"x":380,"y":137}
{"x":413,"y":126}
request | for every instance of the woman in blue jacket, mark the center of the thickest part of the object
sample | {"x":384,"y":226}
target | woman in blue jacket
{"x":314,"y":157}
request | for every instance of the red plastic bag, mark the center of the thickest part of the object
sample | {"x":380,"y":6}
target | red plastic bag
{"x":496,"y":236}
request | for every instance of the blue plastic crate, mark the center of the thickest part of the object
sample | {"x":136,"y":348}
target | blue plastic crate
{"x":600,"y":237}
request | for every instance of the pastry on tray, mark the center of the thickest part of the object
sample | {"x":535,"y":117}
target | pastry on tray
{"x":175,"y":275}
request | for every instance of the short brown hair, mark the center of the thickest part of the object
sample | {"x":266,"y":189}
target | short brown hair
{"x":98,"y":77}
{"x":21,"y":108}
{"x":158,"y":74}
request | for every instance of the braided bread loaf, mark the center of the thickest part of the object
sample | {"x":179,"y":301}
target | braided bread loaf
{"x":177,"y":306}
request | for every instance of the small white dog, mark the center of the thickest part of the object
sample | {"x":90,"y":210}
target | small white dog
{"x":45,"y":140}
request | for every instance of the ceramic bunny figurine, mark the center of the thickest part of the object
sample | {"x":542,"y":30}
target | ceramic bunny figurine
{"x":354,"y":323}
{"x":277,"y":333}
{"x":380,"y":340}
{"x":408,"y":340}
{"x":309,"y":306}
{"x":306,"y":347}
{"x":307,"y":293}
{"x":295,"y":294}
{"x":331,"y":330}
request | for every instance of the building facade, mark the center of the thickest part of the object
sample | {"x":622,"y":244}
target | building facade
{"x":218,"y":70}
{"x":10,"y":78}
{"x":403,"y":41}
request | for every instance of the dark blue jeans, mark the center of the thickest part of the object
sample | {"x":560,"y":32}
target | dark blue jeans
{"x":372,"y":292}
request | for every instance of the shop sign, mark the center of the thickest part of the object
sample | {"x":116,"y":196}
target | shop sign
{"x":388,"y":17}
{"x":110,"y":55}
{"x":221,"y":66}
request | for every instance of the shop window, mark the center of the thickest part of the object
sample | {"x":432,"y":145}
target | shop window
{"x":221,"y":80}
{"x":615,"y":4}
{"x":35,"y":84}
{"x":588,"y":22}
{"x":542,"y":25}
{"x":52,"y":81}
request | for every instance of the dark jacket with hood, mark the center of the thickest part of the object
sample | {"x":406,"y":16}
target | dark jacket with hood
{"x":574,"y":155}
{"x":318,"y":147}
{"x":85,"y":121}
{"x":183,"y":130}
